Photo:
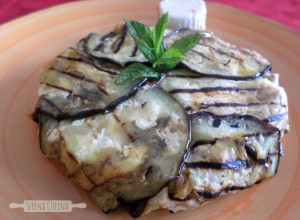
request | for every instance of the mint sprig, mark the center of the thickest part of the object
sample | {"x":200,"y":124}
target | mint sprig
{"x":134,"y":71}
{"x":149,"y":43}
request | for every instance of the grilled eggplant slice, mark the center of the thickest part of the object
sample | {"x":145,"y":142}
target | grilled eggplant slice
{"x":221,"y":159}
{"x":127,"y":155}
{"x":210,"y":57}
{"x":260,"y":97}
{"x":75,"y":85}
{"x":216,"y":58}
{"x":117,"y":47}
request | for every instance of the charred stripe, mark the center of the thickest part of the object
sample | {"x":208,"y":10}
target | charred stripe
{"x":109,"y":35}
{"x":122,"y":38}
{"x":266,"y":133}
{"x":205,"y":106}
{"x":133,"y":54}
{"x":233,"y":165}
{"x":51,"y":104}
{"x":220,"y":76}
{"x":221,"y":52}
{"x":86,"y":61}
{"x":67,"y":90}
{"x":211,"y":195}
{"x":90,"y":62}
{"x":201,"y":54}
{"x":99,"y":46}
{"x":212,"y":89}
{"x":72,"y":75}
{"x":112,"y":105}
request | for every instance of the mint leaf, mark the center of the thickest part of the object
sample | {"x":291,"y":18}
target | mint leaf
{"x":164,"y":65}
{"x":159,"y":29}
{"x":175,"y":53}
{"x":168,"y":60}
{"x":134,"y":71}
{"x":143,"y":38}
{"x":186,"y":43}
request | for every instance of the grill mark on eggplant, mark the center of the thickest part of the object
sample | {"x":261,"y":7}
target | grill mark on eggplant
{"x":201,"y":75}
{"x":99,"y":46}
{"x":102,"y":90}
{"x":52,"y":105}
{"x":109,"y":107}
{"x":90,"y":179}
{"x":71,"y":156}
{"x":122,"y":39}
{"x":201,"y":54}
{"x":266,"y":133}
{"x":92,"y":112}
{"x":69,"y":91}
{"x":135,"y":49}
{"x":57,"y":87}
{"x":218,"y":104}
{"x":212,"y":195}
{"x":117,"y":118}
{"x":79,"y":77}
{"x":72,"y":75}
{"x":104,"y":38}
{"x":233,"y":165}
{"x":86,"y":61}
{"x":109,"y":35}
{"x":69,"y":58}
{"x":218,"y":76}
{"x":131,"y":138}
{"x":212,"y":89}
{"x":221,"y":52}
{"x":90,"y":62}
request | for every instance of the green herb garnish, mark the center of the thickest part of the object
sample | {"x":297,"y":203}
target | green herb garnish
{"x":149,"y":43}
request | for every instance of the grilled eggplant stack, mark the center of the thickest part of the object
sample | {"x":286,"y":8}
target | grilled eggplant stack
{"x":212,"y":125}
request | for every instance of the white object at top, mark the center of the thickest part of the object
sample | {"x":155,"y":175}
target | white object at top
{"x":184,"y":13}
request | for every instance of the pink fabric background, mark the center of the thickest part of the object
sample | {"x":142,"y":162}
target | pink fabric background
{"x":286,"y":12}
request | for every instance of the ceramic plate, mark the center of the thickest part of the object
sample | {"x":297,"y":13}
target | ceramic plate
{"x":29,"y":43}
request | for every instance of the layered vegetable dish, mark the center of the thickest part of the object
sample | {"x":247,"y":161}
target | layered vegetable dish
{"x":211,"y":125}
